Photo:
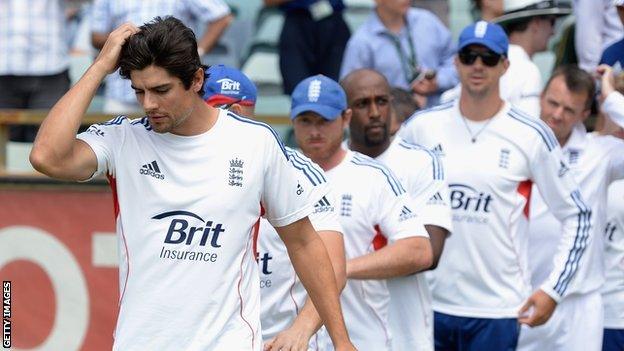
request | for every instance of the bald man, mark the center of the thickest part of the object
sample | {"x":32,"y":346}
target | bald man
{"x":420,"y":171}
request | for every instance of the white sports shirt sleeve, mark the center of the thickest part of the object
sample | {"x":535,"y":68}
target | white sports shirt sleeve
{"x":613,"y":289}
{"x":282,"y":294}
{"x":185,"y":212}
{"x":374,"y":209}
{"x":556,"y":184}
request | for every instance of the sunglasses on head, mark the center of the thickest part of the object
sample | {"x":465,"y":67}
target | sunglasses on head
{"x":489,"y":58}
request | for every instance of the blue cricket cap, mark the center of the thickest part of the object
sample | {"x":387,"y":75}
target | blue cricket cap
{"x":490,"y":35}
{"x":318,"y":94}
{"x":227,"y":85}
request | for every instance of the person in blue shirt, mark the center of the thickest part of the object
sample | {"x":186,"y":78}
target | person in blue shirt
{"x":411,"y":47}
{"x":615,"y":52}
{"x":312,"y":41}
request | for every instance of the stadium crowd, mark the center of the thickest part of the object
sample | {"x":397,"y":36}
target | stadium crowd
{"x":463,"y":203}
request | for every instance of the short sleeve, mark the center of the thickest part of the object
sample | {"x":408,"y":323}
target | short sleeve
{"x":325,"y":216}
{"x":103,"y":139}
{"x":284,"y":196}
{"x":398,"y":218}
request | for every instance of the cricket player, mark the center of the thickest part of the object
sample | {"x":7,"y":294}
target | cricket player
{"x":288,"y":322}
{"x":492,"y":155}
{"x":189,"y":183}
{"x":595,"y":162}
{"x":382,"y":234}
{"x":421,"y":172}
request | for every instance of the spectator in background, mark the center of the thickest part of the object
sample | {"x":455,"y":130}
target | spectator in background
{"x":409,"y":46}
{"x":313,"y":39}
{"x":529,"y":25}
{"x":109,"y":14}
{"x":34,"y":58}
{"x":614,"y":54}
{"x":403,"y":106}
{"x":487,"y":10}
{"x":597,"y":27}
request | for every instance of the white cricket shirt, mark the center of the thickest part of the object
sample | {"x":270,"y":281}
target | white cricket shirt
{"x":186,"y":207}
{"x":595,"y":161}
{"x":613,"y":289}
{"x":282,"y":293}
{"x":483,"y":270}
{"x":409,"y":312}
{"x":374,"y":208}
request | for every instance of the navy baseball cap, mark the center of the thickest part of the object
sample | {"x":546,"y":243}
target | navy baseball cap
{"x":490,"y":35}
{"x":318,"y":94}
{"x":227,"y":85}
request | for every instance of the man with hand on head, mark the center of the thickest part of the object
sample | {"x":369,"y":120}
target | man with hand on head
{"x":287,"y":316}
{"x":421,"y":172}
{"x":187,"y":245}
{"x":492,"y":154}
{"x":382,"y":234}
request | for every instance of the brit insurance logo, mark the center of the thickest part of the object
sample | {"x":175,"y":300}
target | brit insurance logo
{"x":189,"y":237}
{"x":229,"y":86}
{"x":469,"y":204}
{"x":151,"y":169}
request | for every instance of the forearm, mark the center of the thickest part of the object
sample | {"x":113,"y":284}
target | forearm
{"x":308,"y":318}
{"x":56,"y":137}
{"x":320,"y":282}
{"x":394,"y":260}
{"x":437,"y":235}
{"x":213,"y":33}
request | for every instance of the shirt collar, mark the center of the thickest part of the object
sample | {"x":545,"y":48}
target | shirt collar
{"x":377,"y":27}
{"x":577,"y":139}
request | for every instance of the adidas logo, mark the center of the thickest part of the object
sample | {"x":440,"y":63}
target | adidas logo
{"x":406,"y":214}
{"x":152,"y":169}
{"x":438,"y":150}
{"x":323,"y":205}
{"x":436,"y":200}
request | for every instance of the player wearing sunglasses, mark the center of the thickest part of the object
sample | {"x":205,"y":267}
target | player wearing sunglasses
{"x":492,"y":153}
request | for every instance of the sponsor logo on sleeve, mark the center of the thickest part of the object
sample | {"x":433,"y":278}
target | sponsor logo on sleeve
{"x":406,"y":213}
{"x":95,"y":130}
{"x":323,"y":205}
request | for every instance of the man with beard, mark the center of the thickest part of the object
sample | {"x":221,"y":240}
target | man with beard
{"x":492,"y":154}
{"x":420,"y":171}
{"x":383,"y":236}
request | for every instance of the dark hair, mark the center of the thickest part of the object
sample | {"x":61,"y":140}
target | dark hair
{"x":577,"y":81}
{"x":403,"y":103}
{"x":167,"y":43}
